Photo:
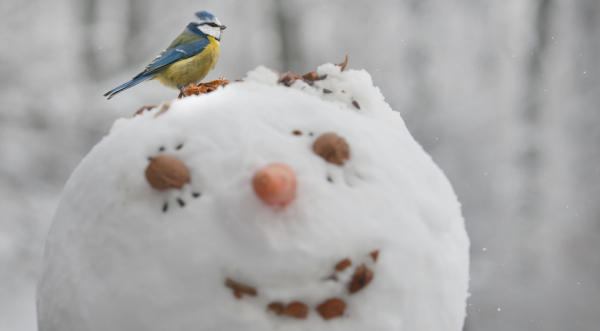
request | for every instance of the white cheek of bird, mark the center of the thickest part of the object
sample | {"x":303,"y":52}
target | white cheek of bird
{"x":213,"y":31}
{"x":259,"y":206}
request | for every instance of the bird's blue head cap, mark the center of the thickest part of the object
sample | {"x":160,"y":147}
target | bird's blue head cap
{"x":208,"y":24}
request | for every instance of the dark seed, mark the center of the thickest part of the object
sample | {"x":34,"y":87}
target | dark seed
{"x":310,"y":134}
{"x":326,"y":91}
{"x":165,"y":207}
{"x":332,"y":277}
{"x":179,"y":146}
{"x":355,"y":104}
{"x":297,"y":132}
{"x":161,"y":149}
{"x":195,"y":194}
{"x":329,"y":179}
{"x":181,"y":202}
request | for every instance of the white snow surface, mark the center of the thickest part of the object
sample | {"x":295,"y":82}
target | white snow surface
{"x":115,"y":261}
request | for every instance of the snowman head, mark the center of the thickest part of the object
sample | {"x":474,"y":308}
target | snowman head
{"x":258,"y":207}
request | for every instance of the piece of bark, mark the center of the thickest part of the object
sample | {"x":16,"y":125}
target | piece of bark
{"x":343,"y":64}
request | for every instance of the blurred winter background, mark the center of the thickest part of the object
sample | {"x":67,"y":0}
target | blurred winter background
{"x":505,"y":96}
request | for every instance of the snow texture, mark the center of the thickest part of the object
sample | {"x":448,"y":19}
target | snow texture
{"x":115,"y":260}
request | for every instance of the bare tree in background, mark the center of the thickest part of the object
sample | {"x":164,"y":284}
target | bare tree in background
{"x":287,"y":29}
{"x":532,"y":117}
{"x":90,"y":56}
{"x":530,"y":163}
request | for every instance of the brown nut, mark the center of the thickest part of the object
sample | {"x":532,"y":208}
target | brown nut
{"x":296,"y":309}
{"x":331,"y":308}
{"x":239,"y":288}
{"x":361,"y":278}
{"x":165,"y":171}
{"x":277,"y":307}
{"x":343,"y":264}
{"x":375,"y":255}
{"x":332,"y":148}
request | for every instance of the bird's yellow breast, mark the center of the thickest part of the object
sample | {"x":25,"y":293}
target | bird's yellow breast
{"x":191,"y":70}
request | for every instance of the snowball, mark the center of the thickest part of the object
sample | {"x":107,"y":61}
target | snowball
{"x":212,"y":255}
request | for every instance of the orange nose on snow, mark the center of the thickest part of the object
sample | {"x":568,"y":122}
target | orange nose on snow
{"x":275,"y":184}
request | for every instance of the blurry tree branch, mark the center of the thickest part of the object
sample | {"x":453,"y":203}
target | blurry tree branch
{"x":90,"y":56}
{"x":531,"y":164}
{"x":287,"y":27}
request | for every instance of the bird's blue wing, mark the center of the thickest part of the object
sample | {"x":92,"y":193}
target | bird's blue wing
{"x":183,"y":47}
{"x":174,"y":54}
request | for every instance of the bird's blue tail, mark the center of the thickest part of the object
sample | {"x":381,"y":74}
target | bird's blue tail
{"x":127,"y":85}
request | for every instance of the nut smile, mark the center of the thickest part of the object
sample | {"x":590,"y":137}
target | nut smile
{"x":330,"y":308}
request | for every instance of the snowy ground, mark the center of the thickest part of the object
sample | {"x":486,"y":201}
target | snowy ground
{"x":504,"y":96}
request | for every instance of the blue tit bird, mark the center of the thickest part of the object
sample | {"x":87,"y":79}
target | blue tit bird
{"x":187,"y":60}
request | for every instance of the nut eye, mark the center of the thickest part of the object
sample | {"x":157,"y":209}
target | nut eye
{"x":332,"y":148}
{"x":166,"y":172}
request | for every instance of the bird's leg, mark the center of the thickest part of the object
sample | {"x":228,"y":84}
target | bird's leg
{"x":182,"y":89}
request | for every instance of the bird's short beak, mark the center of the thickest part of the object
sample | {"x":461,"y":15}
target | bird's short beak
{"x":223,"y":27}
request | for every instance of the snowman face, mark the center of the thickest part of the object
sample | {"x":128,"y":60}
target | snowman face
{"x":275,"y":185}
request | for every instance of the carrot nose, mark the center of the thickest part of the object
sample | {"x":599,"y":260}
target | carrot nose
{"x":275,"y":184}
